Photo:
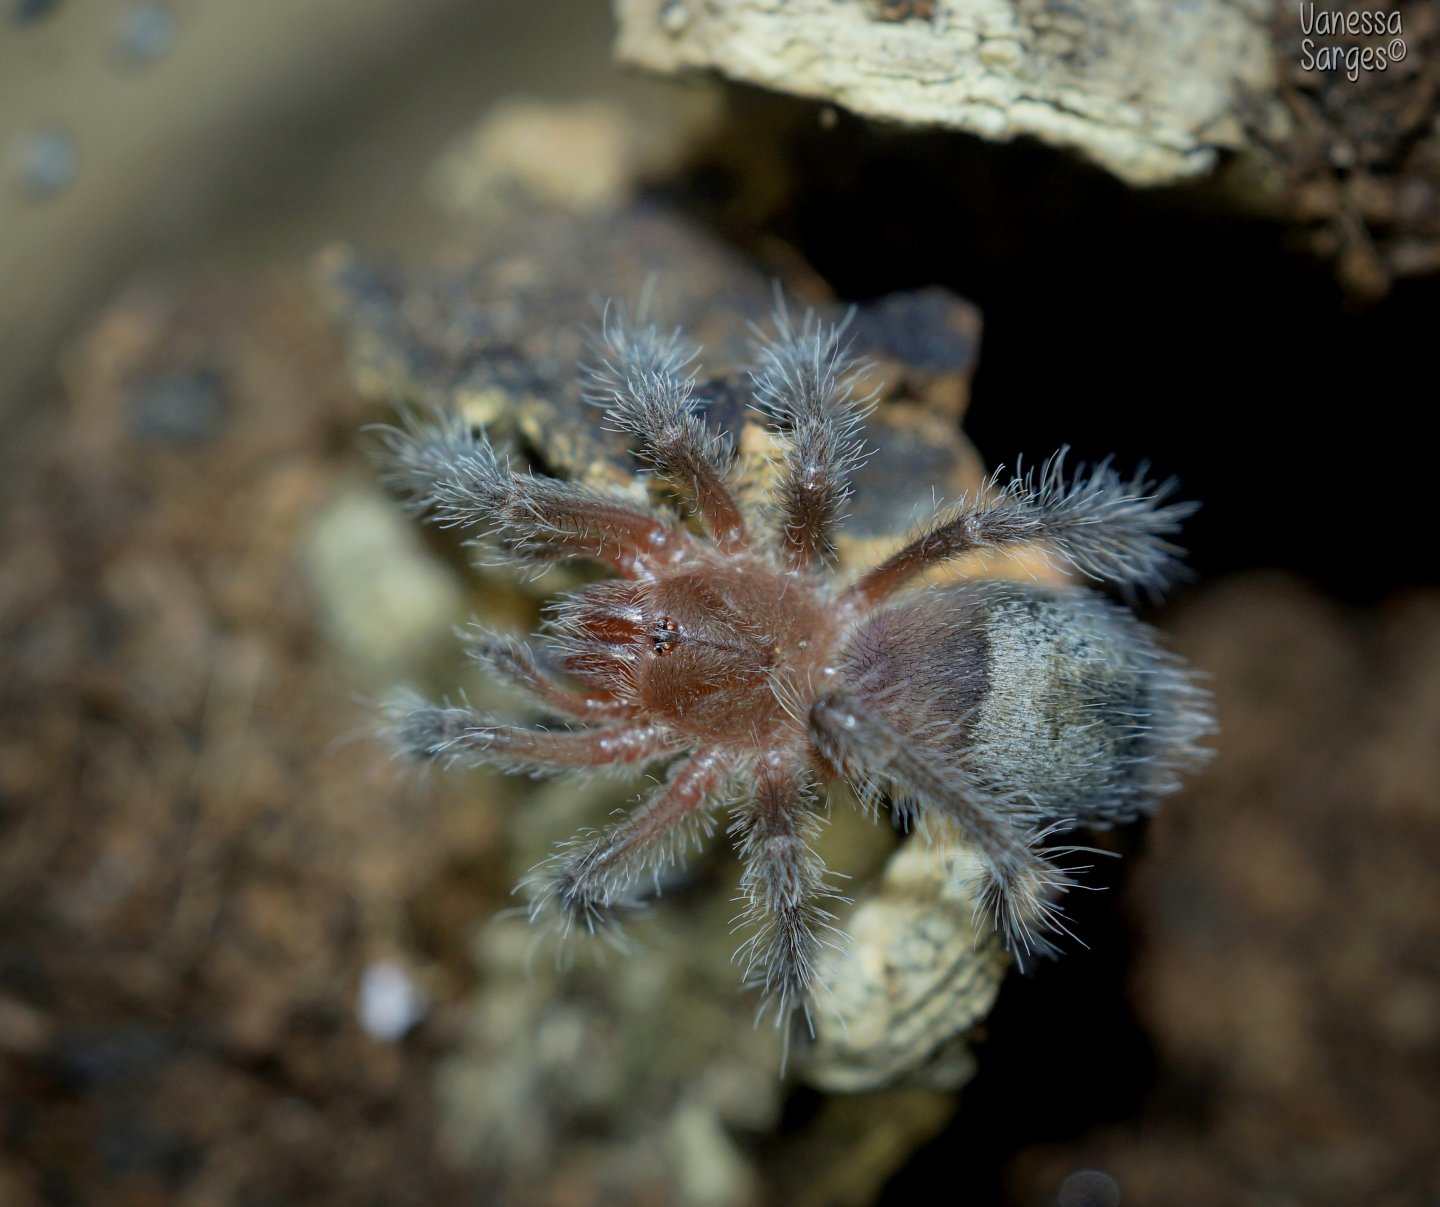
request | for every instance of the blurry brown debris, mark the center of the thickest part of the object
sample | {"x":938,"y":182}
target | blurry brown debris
{"x":193,"y":870}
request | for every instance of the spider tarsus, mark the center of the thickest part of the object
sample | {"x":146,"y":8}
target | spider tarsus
{"x":1020,"y":895}
{"x":424,"y":731}
{"x":1105,"y":526}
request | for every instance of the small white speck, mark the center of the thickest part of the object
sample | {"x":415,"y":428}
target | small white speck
{"x":674,"y":17}
{"x":45,"y":163}
{"x":1089,"y":1188}
{"x":389,"y":1003}
{"x":148,"y":32}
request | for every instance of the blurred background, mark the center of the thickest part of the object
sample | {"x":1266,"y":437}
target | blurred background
{"x":245,"y":959}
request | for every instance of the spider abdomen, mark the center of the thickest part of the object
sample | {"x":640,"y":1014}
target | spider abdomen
{"x":1050,"y":703}
{"x":1084,"y":715}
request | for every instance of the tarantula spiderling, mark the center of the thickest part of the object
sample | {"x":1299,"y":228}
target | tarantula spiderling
{"x":744,"y":658}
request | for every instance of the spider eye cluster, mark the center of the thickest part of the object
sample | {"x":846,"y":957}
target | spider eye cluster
{"x":664,"y":635}
{"x":733,"y":650}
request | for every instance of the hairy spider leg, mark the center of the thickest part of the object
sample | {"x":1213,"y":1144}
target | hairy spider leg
{"x":460,"y":736}
{"x":1020,"y":884}
{"x":805,"y":381}
{"x":453,"y":473}
{"x":783,"y":886}
{"x":588,"y":878}
{"x":1098,"y":524}
{"x":647,"y":392}
{"x":513,"y":661}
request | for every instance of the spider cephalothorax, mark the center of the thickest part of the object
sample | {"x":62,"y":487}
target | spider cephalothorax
{"x":744,"y":659}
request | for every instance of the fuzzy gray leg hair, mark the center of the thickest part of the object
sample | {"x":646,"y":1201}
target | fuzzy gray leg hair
{"x":452,"y":473}
{"x":805,"y":381}
{"x":783,"y":886}
{"x":458,"y":736}
{"x":513,"y":662}
{"x":1020,"y":884}
{"x":586,"y":880}
{"x":1099,"y":524}
{"x":643,"y":382}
